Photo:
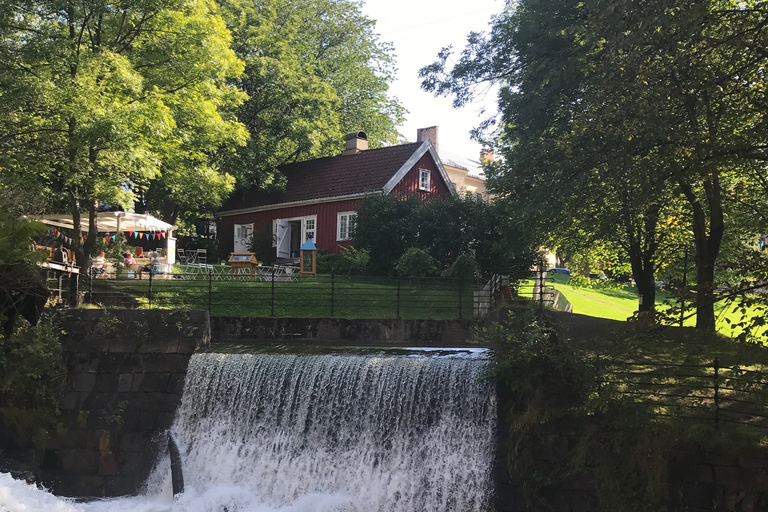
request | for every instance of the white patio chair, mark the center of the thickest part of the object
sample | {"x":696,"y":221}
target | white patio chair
{"x":202,"y":256}
{"x":291,"y":274}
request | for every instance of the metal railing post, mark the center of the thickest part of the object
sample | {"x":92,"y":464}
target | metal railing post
{"x":333,"y":289}
{"x":149,"y":295}
{"x":461,"y":287}
{"x":210,"y":290}
{"x":273,"y":291}
{"x":398,"y":297}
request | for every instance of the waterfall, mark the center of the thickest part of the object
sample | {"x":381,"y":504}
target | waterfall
{"x":337,"y":432}
{"x":373,"y":432}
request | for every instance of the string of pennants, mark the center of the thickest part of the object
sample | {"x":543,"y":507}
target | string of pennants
{"x":110,"y":238}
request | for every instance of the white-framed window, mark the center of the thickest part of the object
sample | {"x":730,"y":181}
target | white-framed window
{"x":345,"y":226}
{"x":309,"y":228}
{"x":425,"y":179}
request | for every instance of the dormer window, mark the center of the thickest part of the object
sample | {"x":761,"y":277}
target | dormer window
{"x":425,"y":179}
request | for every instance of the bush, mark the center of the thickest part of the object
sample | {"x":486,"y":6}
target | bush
{"x":594,"y":284}
{"x":465,"y":267}
{"x":351,"y":261}
{"x":330,"y":262}
{"x":358,"y":259}
{"x":31,"y":380}
{"x":415,"y":263}
{"x":261,"y":244}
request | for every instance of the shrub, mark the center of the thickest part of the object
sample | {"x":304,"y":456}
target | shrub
{"x":31,"y":380}
{"x":330,"y":262}
{"x":358,"y":259}
{"x":261,"y":244}
{"x":415,"y":263}
{"x":465,"y":267}
{"x":594,"y":284}
{"x":351,"y":261}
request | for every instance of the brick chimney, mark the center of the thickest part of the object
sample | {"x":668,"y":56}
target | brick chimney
{"x":486,"y":155}
{"x":430,"y":133}
{"x":355,"y":143}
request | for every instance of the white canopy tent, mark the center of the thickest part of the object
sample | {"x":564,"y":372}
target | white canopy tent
{"x":119,"y":222}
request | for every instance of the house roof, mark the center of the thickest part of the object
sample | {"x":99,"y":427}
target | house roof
{"x":336,"y":177}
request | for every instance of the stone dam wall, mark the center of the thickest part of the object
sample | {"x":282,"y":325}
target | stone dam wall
{"x":340,"y":331}
{"x":125,"y":377}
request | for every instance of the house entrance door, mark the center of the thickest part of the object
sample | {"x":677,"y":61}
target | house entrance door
{"x":243,"y":235}
{"x":283,"y":238}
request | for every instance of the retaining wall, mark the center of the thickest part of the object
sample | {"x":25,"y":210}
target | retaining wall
{"x":125,"y":377}
{"x":330,"y":331}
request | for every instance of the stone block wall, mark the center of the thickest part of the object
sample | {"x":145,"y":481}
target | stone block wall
{"x":359,"y":332}
{"x":125,"y":377}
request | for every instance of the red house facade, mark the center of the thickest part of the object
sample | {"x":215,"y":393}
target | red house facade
{"x":321,"y":197}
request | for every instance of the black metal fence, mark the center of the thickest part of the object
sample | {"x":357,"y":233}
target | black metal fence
{"x":711,"y":393}
{"x":280,"y":294}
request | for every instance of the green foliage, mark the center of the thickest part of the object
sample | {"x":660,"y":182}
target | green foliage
{"x":580,"y":281}
{"x":17,"y":240}
{"x":445,"y":229}
{"x":358,"y":259}
{"x":351,"y":261}
{"x":639,"y":118}
{"x":315,"y":70}
{"x":331,"y":263}
{"x":465,"y":267}
{"x":99,"y":100}
{"x":31,"y":379}
{"x":551,"y":404}
{"x":261,"y":243}
{"x":415,"y":263}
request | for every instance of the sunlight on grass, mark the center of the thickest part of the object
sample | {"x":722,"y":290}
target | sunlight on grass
{"x":621,"y":304}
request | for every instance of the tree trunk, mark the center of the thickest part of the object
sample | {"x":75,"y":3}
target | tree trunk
{"x":707,"y":243}
{"x":642,"y":254}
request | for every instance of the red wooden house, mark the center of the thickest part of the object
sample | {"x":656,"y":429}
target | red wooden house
{"x":321,"y":197}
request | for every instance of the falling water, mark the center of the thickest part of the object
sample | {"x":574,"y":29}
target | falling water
{"x":343,"y":433}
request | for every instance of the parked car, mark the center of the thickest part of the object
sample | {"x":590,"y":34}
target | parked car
{"x":560,"y":271}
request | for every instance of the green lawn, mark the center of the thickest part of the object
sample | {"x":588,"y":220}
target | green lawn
{"x":340,"y":297}
{"x":622,"y":303}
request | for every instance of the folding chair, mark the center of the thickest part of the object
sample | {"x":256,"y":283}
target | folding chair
{"x":202,"y":256}
{"x":182,"y":255}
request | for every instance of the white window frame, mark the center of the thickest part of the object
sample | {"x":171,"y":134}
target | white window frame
{"x":341,"y":236}
{"x":425,"y":180}
{"x":306,"y":231}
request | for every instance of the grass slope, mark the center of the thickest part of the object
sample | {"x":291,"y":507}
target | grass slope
{"x":620,"y":304}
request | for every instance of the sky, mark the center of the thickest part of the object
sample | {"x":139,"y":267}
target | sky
{"x":418,"y":30}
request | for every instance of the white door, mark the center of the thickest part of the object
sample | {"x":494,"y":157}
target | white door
{"x":283,"y":238}
{"x":243,"y":235}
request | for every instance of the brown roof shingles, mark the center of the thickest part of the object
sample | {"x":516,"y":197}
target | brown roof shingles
{"x":332,"y":176}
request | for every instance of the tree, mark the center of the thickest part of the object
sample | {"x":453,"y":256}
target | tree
{"x":445,"y":229}
{"x":98,"y":99}
{"x":314,"y":71}
{"x":664,"y":95}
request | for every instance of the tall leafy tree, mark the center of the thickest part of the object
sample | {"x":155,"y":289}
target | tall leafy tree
{"x":99,"y":98}
{"x":314,"y":71}
{"x":664,"y":97}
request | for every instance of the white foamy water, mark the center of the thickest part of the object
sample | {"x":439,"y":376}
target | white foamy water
{"x":330,"y":433}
